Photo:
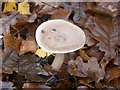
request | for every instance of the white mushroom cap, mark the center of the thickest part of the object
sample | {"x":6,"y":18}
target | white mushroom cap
{"x":59,"y":36}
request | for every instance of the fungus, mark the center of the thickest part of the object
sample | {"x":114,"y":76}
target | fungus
{"x":59,"y":37}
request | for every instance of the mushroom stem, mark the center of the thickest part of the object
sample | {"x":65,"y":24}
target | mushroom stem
{"x":58,"y":61}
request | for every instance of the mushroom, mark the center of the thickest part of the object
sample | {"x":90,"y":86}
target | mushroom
{"x":59,"y":36}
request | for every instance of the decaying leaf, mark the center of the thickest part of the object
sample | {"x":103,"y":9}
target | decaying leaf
{"x":105,"y":30}
{"x":28,"y":45}
{"x":90,"y":69}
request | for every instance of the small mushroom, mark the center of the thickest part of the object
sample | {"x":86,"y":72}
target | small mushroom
{"x":59,"y":37}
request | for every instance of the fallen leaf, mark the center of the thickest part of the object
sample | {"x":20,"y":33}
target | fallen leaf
{"x":6,"y":21}
{"x":6,"y":84}
{"x":1,"y":8}
{"x":89,"y":40}
{"x":105,"y":30}
{"x":25,"y":65}
{"x":32,"y":18}
{"x":112,"y":73}
{"x":90,"y":69}
{"x":41,"y":53}
{"x":24,"y":8}
{"x":86,"y":81}
{"x":115,"y":83}
{"x":12,"y":42}
{"x":61,"y":14}
{"x":10,"y":6}
{"x":84,"y":55}
{"x":31,"y":85}
{"x":64,"y":84}
{"x":28,"y":45}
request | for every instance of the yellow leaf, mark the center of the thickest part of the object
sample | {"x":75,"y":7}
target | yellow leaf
{"x":41,"y":53}
{"x":10,"y":6}
{"x":24,"y":8}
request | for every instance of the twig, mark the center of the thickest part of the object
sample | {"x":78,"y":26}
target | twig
{"x":20,"y":30}
{"x":50,"y":5}
{"x":11,"y":17}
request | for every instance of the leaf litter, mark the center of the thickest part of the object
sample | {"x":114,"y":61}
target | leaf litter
{"x":97,"y":65}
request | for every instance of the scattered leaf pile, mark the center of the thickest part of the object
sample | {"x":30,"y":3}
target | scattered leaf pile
{"x":25,"y":65}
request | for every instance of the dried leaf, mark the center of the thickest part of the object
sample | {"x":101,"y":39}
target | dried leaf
{"x":115,"y":83}
{"x":85,"y":81}
{"x":109,"y":7}
{"x":84,"y":55}
{"x":10,"y":6}
{"x":89,"y":40}
{"x":31,"y":85}
{"x":90,"y":69}
{"x":105,"y":30}
{"x":6,"y":84}
{"x":12,"y":42}
{"x":64,"y":84}
{"x":24,"y":8}
{"x":32,"y":18}
{"x":61,"y":14}
{"x":6,"y":21}
{"x":35,"y":85}
{"x":28,"y":45}
{"x":29,"y":68}
{"x":112,"y":73}
{"x":1,"y":8}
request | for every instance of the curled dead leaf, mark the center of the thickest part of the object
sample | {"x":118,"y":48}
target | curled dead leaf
{"x":12,"y":42}
{"x":28,"y":45}
{"x":61,"y":14}
{"x":90,"y":69}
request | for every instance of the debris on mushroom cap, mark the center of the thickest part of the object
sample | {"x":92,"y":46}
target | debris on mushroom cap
{"x":59,"y":36}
